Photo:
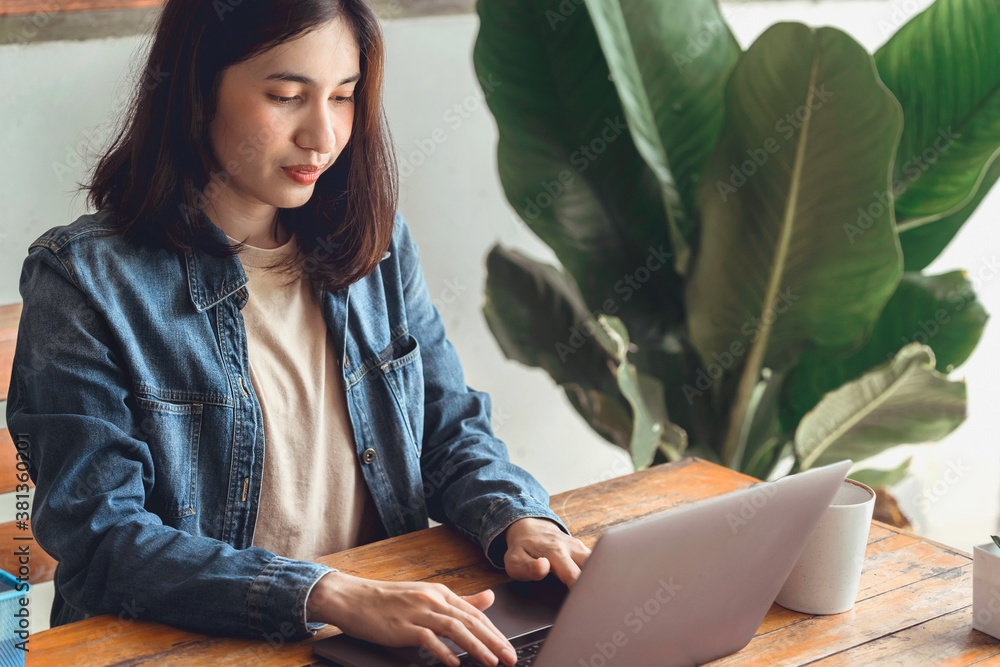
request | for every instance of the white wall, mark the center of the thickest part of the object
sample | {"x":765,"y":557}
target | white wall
{"x":59,"y":96}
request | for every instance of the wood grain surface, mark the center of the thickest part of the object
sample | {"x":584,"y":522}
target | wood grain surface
{"x":914,"y":605}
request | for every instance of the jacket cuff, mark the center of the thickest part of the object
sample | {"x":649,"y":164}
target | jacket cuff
{"x":283,"y":587}
{"x":504,"y":512}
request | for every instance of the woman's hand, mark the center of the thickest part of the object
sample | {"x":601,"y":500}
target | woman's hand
{"x":410,"y":614}
{"x":535,"y":546}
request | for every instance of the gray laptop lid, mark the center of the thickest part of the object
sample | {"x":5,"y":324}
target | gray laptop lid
{"x":689,"y":585}
{"x":683,"y":587}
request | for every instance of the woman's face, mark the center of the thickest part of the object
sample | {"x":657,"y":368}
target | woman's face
{"x":281,"y":113}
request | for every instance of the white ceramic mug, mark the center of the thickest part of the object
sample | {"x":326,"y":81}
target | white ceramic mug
{"x":827,"y":575}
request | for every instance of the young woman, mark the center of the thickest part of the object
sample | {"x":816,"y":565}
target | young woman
{"x":245,"y":278}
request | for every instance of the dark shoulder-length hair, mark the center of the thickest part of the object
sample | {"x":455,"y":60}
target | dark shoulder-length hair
{"x":156,"y":177}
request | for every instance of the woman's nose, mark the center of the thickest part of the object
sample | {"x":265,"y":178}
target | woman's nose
{"x":317,"y":132}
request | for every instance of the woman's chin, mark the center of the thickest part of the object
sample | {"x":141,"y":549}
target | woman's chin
{"x":294,"y":198}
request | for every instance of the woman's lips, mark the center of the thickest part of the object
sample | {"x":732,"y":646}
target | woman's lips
{"x":303,"y":175}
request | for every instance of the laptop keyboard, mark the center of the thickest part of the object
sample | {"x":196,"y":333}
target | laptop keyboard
{"x":525,"y":656}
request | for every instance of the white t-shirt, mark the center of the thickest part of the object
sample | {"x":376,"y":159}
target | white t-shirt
{"x":314,"y":500}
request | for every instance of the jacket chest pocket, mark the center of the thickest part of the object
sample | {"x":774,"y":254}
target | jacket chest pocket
{"x":402,"y":368}
{"x":172,"y":431}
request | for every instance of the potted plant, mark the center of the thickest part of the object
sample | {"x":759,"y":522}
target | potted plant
{"x":741,"y":234}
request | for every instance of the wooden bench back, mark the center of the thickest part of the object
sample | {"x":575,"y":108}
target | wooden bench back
{"x":9,"y":318}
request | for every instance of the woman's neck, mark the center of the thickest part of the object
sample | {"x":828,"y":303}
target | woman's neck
{"x":259,"y":226}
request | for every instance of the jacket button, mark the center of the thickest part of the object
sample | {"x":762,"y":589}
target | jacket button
{"x":368,"y":455}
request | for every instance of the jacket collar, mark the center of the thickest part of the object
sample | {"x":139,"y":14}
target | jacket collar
{"x":212,"y":279}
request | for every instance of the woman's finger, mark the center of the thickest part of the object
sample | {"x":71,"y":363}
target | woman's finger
{"x":429,"y":640}
{"x":475,"y":613}
{"x":485,"y":647}
{"x":481,"y":600}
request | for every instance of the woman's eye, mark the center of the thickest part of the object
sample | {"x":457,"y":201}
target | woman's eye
{"x":286,"y":100}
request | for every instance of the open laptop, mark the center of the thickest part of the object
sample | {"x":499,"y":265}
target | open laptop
{"x":682,"y":587}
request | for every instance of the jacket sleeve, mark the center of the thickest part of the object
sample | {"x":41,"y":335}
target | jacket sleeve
{"x":68,"y":402}
{"x":473,"y":485}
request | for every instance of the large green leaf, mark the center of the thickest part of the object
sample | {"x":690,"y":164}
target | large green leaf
{"x":881,"y":478}
{"x":810,"y":132}
{"x":669,"y":62}
{"x":603,"y":412}
{"x":941,"y":311}
{"x":652,"y":427}
{"x":922,"y":243}
{"x":944,"y":68}
{"x":902,"y":401}
{"x":538,"y":317}
{"x":676,"y":364}
{"x":568,"y":164}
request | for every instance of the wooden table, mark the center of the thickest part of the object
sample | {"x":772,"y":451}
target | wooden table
{"x":914,"y":607}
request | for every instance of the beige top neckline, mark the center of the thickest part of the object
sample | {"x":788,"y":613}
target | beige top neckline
{"x":257,"y":257}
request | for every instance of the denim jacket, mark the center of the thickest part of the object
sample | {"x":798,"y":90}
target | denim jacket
{"x":131,"y":394}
